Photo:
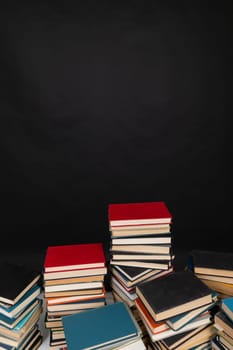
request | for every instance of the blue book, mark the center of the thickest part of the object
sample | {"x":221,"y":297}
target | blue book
{"x":16,"y":309}
{"x":100,"y":327}
{"x":227,"y":307}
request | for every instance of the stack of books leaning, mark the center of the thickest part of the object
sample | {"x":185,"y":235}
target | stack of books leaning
{"x":140,"y":245}
{"x":215,"y":269}
{"x":20,"y":307}
{"x":176,"y":311}
{"x":223,"y":323}
{"x":74,"y":281}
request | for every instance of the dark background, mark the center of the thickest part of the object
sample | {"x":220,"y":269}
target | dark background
{"x":108,"y":103}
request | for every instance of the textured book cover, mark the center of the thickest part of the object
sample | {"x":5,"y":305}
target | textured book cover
{"x":173,"y":294}
{"x":16,"y":281}
{"x":211,"y":262}
{"x":141,"y":213}
{"x":74,"y":256}
{"x":101,"y":326}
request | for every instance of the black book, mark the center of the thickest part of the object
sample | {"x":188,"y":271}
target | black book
{"x":211,"y":262}
{"x":16,"y":281}
{"x":173,"y":294}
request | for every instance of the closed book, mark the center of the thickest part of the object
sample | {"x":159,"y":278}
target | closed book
{"x":17,"y":280}
{"x":211,"y":262}
{"x":150,"y":264}
{"x":88,"y":304}
{"x":20,"y":306}
{"x":180,"y":320}
{"x":141,"y":256}
{"x":222,"y":322}
{"x":74,"y":256}
{"x":145,"y":248}
{"x":226,"y":305}
{"x":138,"y":213}
{"x":173,"y":294}
{"x":156,"y":239}
{"x":137,"y":231}
{"x":74,"y":273}
{"x":73,"y":286}
{"x":100,"y":327}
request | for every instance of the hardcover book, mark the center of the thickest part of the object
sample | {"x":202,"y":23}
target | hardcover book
{"x":227,"y":306}
{"x":139,"y":213}
{"x":222,"y":322}
{"x":18,"y":279}
{"x":211,"y":262}
{"x":173,"y":294}
{"x":104,"y":326}
{"x":74,"y":256}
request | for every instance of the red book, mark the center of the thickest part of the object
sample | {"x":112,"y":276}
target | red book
{"x":74,"y":257}
{"x":139,"y":213}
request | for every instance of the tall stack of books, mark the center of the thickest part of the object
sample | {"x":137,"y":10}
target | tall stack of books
{"x":176,"y":311}
{"x":74,"y":281}
{"x":140,"y":247}
{"x":223,"y":323}
{"x":215,"y":269}
{"x":20,"y":307}
{"x":109,"y":327}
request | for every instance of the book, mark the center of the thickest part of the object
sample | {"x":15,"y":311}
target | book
{"x":74,"y":292}
{"x":153,"y":273}
{"x":173,"y":294}
{"x":74,"y":280}
{"x":11,"y":322}
{"x":218,"y":278}
{"x":154,"y":264}
{"x":197,"y":322}
{"x":138,"y":213}
{"x":23,"y":325}
{"x":74,"y":273}
{"x":142,"y":256}
{"x":188,"y":339}
{"x":226,"y":305}
{"x":220,"y":287}
{"x":20,"y":306}
{"x":75,"y":298}
{"x":145,"y":248}
{"x":211,"y":262}
{"x":180,"y":320}
{"x":80,"y":305}
{"x":107,"y":325}
{"x":221,"y":336}
{"x":156,"y":239}
{"x":137,"y":231}
{"x":74,"y":256}
{"x":18,"y":279}
{"x":132,"y":272}
{"x":73,"y":286}
{"x":222,"y":322}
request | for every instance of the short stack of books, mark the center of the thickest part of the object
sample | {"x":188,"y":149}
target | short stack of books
{"x":140,"y":246}
{"x":20,"y":307}
{"x":74,"y":281}
{"x":176,"y":311}
{"x":109,"y":327}
{"x":223,"y":323}
{"x":215,"y":269}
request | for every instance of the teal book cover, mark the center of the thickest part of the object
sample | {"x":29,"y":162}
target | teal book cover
{"x":99,"y":327}
{"x":227,"y":307}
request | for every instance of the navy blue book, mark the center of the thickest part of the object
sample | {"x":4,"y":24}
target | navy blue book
{"x":100,"y":327}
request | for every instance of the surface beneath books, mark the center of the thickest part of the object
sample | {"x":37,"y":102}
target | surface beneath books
{"x":45,"y":332}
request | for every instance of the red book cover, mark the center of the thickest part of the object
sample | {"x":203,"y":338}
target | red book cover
{"x":138,"y":213}
{"x":74,"y":256}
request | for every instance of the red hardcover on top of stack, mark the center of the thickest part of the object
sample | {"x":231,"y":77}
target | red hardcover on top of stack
{"x":144,"y":213}
{"x":74,"y":256}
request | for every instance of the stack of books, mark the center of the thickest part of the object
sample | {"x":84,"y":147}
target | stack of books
{"x":223,"y":323}
{"x":109,"y":327}
{"x":176,"y":311}
{"x":215,"y":269}
{"x":20,"y":307}
{"x":74,"y":281}
{"x":140,"y":246}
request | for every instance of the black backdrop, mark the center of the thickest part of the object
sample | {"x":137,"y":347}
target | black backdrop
{"x":115,"y":103}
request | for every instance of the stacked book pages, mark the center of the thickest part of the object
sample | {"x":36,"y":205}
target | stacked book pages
{"x":20,"y":307}
{"x":215,"y":269}
{"x":74,"y":281}
{"x":140,"y":245}
{"x":176,"y":310}
{"x":223,"y":323}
